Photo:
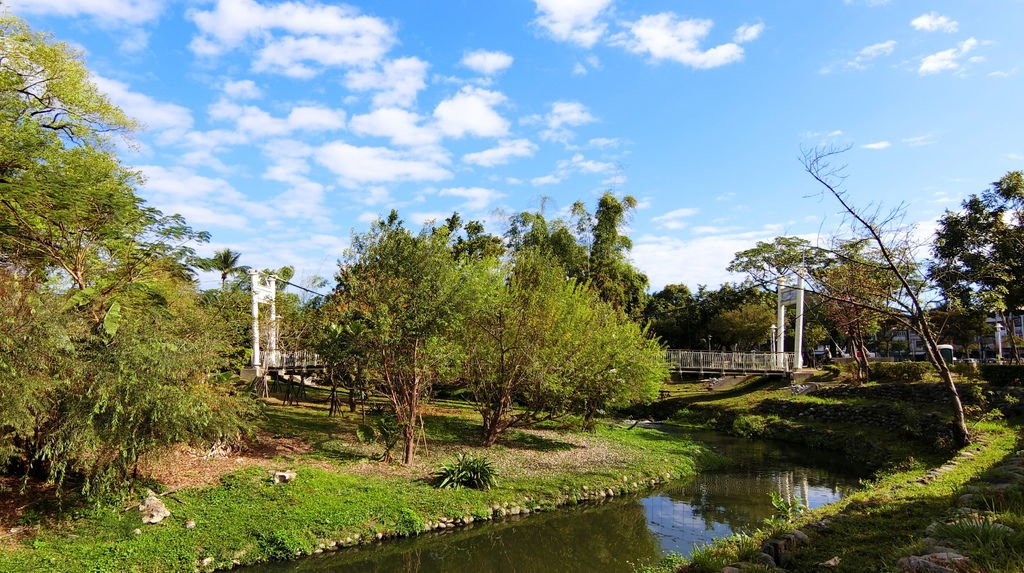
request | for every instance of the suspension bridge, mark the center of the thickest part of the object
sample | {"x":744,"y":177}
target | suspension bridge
{"x":703,"y":362}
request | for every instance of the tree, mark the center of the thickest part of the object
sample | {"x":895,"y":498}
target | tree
{"x":899,"y":279}
{"x":539,"y":346}
{"x":744,"y":327}
{"x":591,"y":248}
{"x":224,"y":261}
{"x":112,"y":355}
{"x":408,"y":293}
{"x":977,"y":250}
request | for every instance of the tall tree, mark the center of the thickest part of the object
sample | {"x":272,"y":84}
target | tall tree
{"x":899,"y":282}
{"x":409,"y":294}
{"x":224,"y":261}
{"x":978,"y":248}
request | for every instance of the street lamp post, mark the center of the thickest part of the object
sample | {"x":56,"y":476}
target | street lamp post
{"x":999,"y":342}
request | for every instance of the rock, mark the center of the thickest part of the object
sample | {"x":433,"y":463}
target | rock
{"x":834,"y":562}
{"x":152,"y":509}
{"x":801,"y":536}
{"x":190,"y":524}
{"x":730,"y":569}
{"x":206,"y":561}
{"x":916,"y":564}
{"x":136,"y":531}
{"x":765,"y":559}
{"x":283,"y":476}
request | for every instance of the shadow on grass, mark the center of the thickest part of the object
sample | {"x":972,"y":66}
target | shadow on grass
{"x":526,"y":441}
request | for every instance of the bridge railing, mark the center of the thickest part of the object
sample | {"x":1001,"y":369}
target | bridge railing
{"x":292,"y":359}
{"x":701,"y":361}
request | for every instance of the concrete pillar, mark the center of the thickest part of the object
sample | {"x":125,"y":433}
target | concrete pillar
{"x":798,"y":335}
{"x":254,"y":277}
{"x":780,"y":334}
{"x":272,"y":343}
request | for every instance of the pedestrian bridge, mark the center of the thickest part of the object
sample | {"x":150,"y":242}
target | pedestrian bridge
{"x":702,"y":362}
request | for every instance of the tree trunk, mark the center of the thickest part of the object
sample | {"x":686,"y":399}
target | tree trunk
{"x":963,"y":435}
{"x":1014,"y":354}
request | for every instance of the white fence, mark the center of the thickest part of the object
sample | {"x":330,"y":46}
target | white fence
{"x":291,"y":359}
{"x":701,"y":361}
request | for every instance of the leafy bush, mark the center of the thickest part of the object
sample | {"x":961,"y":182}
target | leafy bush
{"x":832,"y":370}
{"x":1003,"y":374}
{"x":899,"y":371}
{"x":384,"y":431}
{"x":787,"y":508}
{"x":749,"y":426}
{"x":466,"y":470}
{"x":966,"y":370}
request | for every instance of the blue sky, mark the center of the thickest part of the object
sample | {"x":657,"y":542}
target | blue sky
{"x":282,"y":126}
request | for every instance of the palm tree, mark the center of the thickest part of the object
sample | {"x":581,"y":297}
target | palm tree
{"x":225,"y":261}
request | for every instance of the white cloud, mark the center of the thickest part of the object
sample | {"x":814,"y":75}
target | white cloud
{"x":563,"y":115}
{"x":579,"y":69}
{"x":546,"y":180}
{"x":154,"y":115}
{"x":313,"y":35}
{"x":506,"y":150}
{"x":476,"y":198}
{"x":675,"y":219}
{"x":396,"y":81}
{"x":359,"y":165}
{"x":604,"y":142}
{"x":877,"y":145}
{"x":919,"y":140}
{"x":203,"y":201}
{"x":486,"y":62}
{"x":665,"y":37}
{"x":134,"y":41}
{"x":242,"y":89}
{"x":400,"y":125}
{"x":471,"y":112}
{"x":748,"y":33}
{"x":701,"y":260}
{"x":947,"y":60}
{"x":575,"y":21}
{"x":111,"y":12}
{"x":871,"y":52}
{"x":256,"y":122}
{"x":933,"y":22}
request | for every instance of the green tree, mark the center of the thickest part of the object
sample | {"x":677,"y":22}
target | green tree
{"x":977,"y":249}
{"x":224,"y":261}
{"x":745,"y":327}
{"x":408,"y":292}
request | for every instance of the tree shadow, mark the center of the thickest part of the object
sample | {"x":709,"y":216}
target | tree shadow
{"x":520,"y":440}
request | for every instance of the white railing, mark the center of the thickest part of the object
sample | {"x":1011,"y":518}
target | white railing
{"x":701,"y":361}
{"x":291,"y":359}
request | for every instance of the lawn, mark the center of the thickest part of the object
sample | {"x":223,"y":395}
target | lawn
{"x":341,"y":496}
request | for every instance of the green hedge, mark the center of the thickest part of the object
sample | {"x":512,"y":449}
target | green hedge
{"x":899,"y":371}
{"x":1003,"y":374}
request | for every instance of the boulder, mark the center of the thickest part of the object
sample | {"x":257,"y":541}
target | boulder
{"x":283,"y":476}
{"x":152,"y":509}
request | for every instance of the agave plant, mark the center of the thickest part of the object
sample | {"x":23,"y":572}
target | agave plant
{"x":466,"y":470}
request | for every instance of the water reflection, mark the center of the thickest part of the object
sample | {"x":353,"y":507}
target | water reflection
{"x":615,"y":536}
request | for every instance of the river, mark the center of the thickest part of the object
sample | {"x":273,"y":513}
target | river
{"x":617,"y":535}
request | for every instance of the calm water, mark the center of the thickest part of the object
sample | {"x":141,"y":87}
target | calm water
{"x":617,"y":535}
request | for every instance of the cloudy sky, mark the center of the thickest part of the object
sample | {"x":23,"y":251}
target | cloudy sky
{"x":281,"y":127}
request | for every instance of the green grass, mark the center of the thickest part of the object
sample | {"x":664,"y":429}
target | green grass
{"x":888,"y":518}
{"x":339,"y":495}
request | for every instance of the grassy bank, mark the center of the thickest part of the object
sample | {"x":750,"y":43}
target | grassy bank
{"x":918,"y":481}
{"x":341,"y":496}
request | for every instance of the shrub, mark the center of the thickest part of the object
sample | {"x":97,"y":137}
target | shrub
{"x":384,"y":431}
{"x":899,"y":371}
{"x":966,"y":370}
{"x":1003,"y":374}
{"x":466,"y":470}
{"x":749,"y":426}
{"x":833,"y":370}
